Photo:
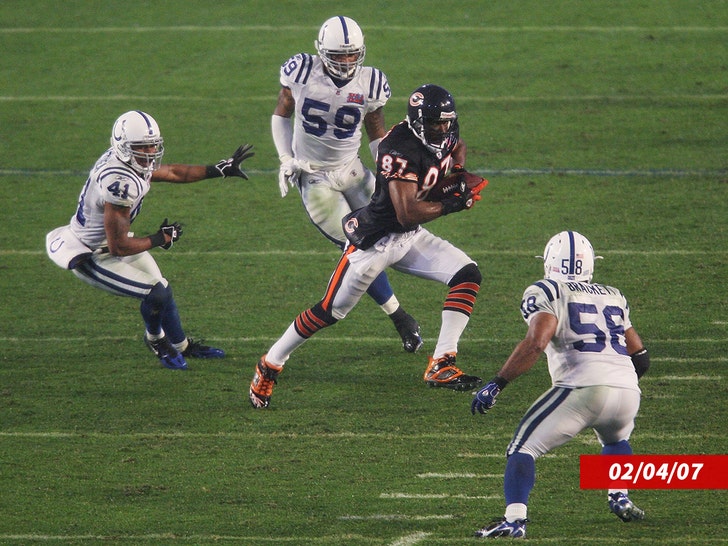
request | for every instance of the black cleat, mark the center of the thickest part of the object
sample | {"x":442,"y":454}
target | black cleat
{"x":196,"y":349}
{"x":444,"y":373}
{"x":409,"y":330}
{"x":166,"y":353}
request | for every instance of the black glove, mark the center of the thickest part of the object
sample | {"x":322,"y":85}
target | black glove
{"x":231,"y":166}
{"x":461,"y":199}
{"x":174,"y":230}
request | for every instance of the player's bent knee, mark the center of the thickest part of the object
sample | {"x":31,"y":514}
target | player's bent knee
{"x":159,"y":296}
{"x":323,"y":315}
{"x":470,"y":273}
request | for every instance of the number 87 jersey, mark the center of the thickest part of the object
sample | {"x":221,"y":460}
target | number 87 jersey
{"x":329,"y":113}
{"x":588,"y":347}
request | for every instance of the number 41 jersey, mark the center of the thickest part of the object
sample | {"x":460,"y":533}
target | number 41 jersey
{"x":327,"y":131}
{"x":110,"y":181}
{"x":589,"y":346}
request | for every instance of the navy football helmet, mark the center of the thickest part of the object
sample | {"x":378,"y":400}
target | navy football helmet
{"x":432,"y":117}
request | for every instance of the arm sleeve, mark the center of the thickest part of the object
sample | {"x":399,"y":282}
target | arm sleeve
{"x":373,"y":147}
{"x":282,"y":131}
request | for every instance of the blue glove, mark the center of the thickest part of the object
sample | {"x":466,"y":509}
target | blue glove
{"x":485,"y":397}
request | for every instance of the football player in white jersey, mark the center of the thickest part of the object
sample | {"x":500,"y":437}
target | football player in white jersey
{"x":332,"y":95}
{"x":595,"y":358}
{"x":99,"y":248}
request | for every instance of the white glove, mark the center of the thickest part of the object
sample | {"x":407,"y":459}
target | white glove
{"x":290,"y":172}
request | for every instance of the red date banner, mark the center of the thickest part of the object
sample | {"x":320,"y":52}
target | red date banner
{"x":653,"y":471}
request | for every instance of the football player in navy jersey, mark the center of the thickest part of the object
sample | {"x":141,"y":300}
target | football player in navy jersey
{"x":387,"y":232}
{"x":595,"y":358}
{"x":332,"y":96}
{"x":99,"y":248}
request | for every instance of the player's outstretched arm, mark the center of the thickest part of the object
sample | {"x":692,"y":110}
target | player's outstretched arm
{"x":181,"y":173}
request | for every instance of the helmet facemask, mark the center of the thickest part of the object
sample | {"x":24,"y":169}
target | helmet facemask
{"x":341,"y":37}
{"x":147,"y":156}
{"x":432,"y":117}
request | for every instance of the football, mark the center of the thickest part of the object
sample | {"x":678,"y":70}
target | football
{"x":449,"y":184}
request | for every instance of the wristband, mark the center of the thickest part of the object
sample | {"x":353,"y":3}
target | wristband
{"x":641,"y":362}
{"x":158,"y":239}
{"x":457,"y":168}
{"x":211,"y":171}
{"x":498,"y":380}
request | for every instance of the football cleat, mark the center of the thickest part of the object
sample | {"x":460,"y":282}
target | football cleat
{"x":623,"y":508}
{"x":408,"y":329}
{"x":166,"y":353}
{"x":444,"y":373}
{"x":261,"y":387}
{"x":196,"y":349}
{"x":502,"y":528}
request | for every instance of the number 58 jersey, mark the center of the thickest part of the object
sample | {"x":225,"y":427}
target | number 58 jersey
{"x":328,"y":118}
{"x":589,"y":346}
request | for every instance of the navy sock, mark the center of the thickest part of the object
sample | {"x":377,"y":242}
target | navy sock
{"x":171,"y":322}
{"x":618,"y":448}
{"x":520,"y":476}
{"x":380,"y":290}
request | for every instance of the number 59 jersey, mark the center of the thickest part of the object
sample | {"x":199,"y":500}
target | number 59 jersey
{"x":328,"y":118}
{"x":110,"y":181}
{"x":589,"y":346}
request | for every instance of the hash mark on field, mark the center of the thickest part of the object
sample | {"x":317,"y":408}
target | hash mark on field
{"x":387,"y":436}
{"x":688,"y":378}
{"x":390,"y":28}
{"x":436,"y":496}
{"x":359,"y":339}
{"x":503,"y":456}
{"x":335,"y":253}
{"x":456,"y":475}
{"x":271,"y":98}
{"x":410,"y":539}
{"x":396,"y":517}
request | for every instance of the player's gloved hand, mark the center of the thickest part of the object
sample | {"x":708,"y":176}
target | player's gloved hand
{"x":485,"y":397}
{"x":461,"y":199}
{"x":290,"y":172}
{"x":174,"y":230}
{"x":231,"y":166}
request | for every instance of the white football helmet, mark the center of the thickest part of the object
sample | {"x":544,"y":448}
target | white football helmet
{"x":568,"y":256}
{"x":341,"y":36}
{"x":133,"y":130}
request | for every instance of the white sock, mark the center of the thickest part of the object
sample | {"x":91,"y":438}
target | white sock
{"x":453,"y":325}
{"x":156,"y":337}
{"x":516,"y":511}
{"x":286,"y":344}
{"x":181,"y":347}
{"x":391,"y":305}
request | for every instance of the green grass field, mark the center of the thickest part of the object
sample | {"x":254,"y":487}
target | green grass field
{"x":606,"y":118}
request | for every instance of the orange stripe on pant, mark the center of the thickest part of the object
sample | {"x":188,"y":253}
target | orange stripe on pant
{"x":335,"y":281}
